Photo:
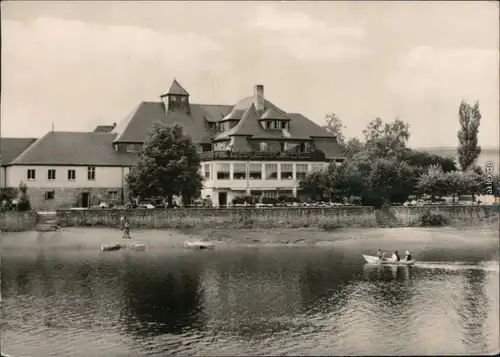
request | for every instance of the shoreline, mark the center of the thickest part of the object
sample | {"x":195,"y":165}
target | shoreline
{"x":223,"y":238}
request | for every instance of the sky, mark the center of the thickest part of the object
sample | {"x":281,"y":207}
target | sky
{"x":81,"y":64}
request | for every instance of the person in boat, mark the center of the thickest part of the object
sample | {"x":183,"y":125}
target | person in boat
{"x":380,"y":255}
{"x":395,"y":256}
{"x":408,"y":256}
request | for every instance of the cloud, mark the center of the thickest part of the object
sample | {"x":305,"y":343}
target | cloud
{"x":306,"y":38}
{"x":428,"y":84}
{"x":453,"y":71}
{"x":60,"y":40}
{"x":53,"y":67}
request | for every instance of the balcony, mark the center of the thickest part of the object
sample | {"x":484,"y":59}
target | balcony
{"x":263,"y":156}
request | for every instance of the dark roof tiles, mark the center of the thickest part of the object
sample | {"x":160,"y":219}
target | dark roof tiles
{"x":11,"y":148}
{"x":272,"y":113}
{"x":135,"y":128}
{"x":75,"y":148}
{"x":176,"y":89}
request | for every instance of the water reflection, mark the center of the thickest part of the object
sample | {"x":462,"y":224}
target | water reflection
{"x":161,"y":297}
{"x":252,"y":301}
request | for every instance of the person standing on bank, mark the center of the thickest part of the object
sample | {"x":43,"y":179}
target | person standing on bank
{"x":126,"y":228}
{"x":122,"y":222}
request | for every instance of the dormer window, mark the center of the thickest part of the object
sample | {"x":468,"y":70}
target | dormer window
{"x":274,"y":124}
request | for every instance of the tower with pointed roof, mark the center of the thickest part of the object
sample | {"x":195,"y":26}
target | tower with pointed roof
{"x":176,"y":99}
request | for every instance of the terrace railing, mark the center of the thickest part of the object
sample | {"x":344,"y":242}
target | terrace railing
{"x":263,"y":156}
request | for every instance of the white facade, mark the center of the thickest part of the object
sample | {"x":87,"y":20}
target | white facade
{"x":225,"y":180}
{"x":66,"y":176}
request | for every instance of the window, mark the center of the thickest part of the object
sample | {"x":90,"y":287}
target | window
{"x":263,"y":146}
{"x":271,"y":171}
{"x":183,"y":99}
{"x":277,"y":125}
{"x":50,"y":195}
{"x":91,"y":173}
{"x":284,"y":125}
{"x":301,"y":171}
{"x":223,"y":172}
{"x":113,"y":195}
{"x":173,"y":98}
{"x":255,"y":171}
{"x":51,"y":174}
{"x":270,"y":194}
{"x":283,"y":147}
{"x":206,"y":168}
{"x":286,"y":171}
{"x":71,"y":175}
{"x":133,"y":148}
{"x":240,"y":171}
{"x":30,"y":174}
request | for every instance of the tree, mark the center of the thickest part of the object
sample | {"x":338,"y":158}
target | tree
{"x":454,"y":182}
{"x":315,"y":184}
{"x":352,"y":147}
{"x":386,"y":139}
{"x":473,"y":183}
{"x":168,"y":165}
{"x":23,"y":204}
{"x":424,"y":159}
{"x":468,"y":148}
{"x":433,"y":182}
{"x":334,"y":126}
{"x":389,"y":180}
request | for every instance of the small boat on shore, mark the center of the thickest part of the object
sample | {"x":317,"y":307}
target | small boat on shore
{"x":370,"y":259}
{"x":199,"y":245}
{"x":110,"y":247}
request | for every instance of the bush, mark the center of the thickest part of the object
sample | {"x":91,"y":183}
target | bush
{"x":269,"y":200}
{"x":433,"y":219}
{"x":24,"y":204}
{"x":329,"y":226}
{"x":241,"y":200}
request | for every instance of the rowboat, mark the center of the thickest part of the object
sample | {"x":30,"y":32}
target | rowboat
{"x":370,"y":259}
{"x":110,"y":247}
{"x":199,"y":245}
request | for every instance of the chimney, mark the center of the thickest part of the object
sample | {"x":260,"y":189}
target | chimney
{"x":258,"y":92}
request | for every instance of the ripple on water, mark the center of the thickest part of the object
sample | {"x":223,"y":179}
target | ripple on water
{"x":260,"y":302}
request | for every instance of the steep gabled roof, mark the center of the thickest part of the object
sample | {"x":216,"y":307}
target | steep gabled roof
{"x":300,"y":125}
{"x":11,"y":148}
{"x":75,"y":148}
{"x":330,"y":147}
{"x":272,"y":113}
{"x":247,"y":126}
{"x":135,"y":128}
{"x":176,"y":89}
{"x":235,"y":114}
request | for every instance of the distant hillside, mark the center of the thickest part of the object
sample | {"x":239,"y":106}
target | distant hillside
{"x":488,"y":154}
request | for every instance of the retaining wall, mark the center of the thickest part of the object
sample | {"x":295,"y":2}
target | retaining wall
{"x":11,"y":221}
{"x":355,"y":216}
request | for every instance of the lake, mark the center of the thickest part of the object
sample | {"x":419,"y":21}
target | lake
{"x":318,"y":300}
